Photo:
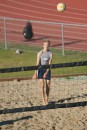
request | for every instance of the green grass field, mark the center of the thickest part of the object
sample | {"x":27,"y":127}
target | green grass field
{"x":8,"y":58}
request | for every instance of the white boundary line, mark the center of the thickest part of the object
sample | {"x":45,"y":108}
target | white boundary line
{"x":46,"y":9}
{"x":53,"y":15}
{"x":55,"y":4}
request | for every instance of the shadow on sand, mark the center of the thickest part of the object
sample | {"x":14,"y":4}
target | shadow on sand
{"x":51,"y":105}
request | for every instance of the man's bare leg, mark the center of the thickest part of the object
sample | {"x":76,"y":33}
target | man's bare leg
{"x":42,"y":90}
{"x":47,"y":91}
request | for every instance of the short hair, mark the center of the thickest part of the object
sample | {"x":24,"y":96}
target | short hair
{"x":47,"y":42}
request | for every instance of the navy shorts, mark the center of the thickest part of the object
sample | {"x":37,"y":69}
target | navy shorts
{"x":41,"y":73}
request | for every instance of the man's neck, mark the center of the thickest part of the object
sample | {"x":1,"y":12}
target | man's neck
{"x":45,"y":50}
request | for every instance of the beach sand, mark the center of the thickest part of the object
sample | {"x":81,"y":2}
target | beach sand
{"x":26,"y":93}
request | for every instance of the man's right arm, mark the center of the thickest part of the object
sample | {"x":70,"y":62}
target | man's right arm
{"x":38,"y":58}
{"x":37,"y":63}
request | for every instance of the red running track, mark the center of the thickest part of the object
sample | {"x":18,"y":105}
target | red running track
{"x":75,"y":37}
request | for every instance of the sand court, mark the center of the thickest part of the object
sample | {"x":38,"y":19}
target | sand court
{"x":26,"y":93}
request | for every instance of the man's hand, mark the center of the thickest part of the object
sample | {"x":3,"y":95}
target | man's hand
{"x":45,"y":74}
{"x":34,"y":75}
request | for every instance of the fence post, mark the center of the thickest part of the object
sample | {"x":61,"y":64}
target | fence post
{"x":5,"y":33}
{"x":63,"y":53}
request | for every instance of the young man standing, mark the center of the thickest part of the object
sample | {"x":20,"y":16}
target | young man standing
{"x":44,"y":57}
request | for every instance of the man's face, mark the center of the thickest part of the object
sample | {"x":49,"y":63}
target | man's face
{"x":46,"y":45}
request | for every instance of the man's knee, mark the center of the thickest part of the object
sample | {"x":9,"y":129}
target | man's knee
{"x":41,"y":82}
{"x":48,"y":83}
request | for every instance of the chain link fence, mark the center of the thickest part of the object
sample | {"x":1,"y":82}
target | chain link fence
{"x":62,"y":36}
